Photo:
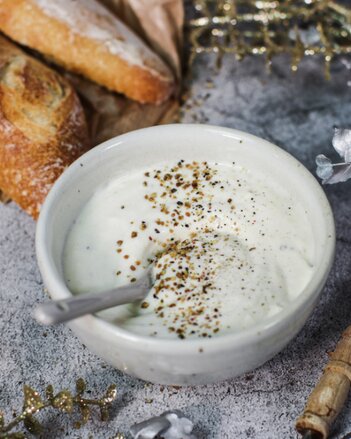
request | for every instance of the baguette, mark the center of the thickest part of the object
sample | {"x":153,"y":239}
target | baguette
{"x":85,"y":37}
{"x":42,"y":127}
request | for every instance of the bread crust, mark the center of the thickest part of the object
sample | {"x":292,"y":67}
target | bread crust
{"x":84,"y":37}
{"x":42,"y":127}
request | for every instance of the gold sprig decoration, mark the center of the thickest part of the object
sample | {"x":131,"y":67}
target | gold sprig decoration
{"x":63,"y":401}
{"x":270,"y":27}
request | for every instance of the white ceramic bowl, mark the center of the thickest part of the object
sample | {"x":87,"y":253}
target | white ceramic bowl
{"x":182,"y":362}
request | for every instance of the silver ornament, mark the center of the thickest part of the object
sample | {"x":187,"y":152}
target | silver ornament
{"x":169,"y":425}
{"x":329,"y":172}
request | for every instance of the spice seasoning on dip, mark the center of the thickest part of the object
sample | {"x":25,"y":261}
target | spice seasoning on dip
{"x":229,"y":248}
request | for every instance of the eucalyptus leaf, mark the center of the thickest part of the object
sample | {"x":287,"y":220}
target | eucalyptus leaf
{"x":332,"y":173}
{"x":110,"y":394}
{"x":80,"y":386}
{"x":32,"y":400}
{"x":33,"y":425}
{"x":324,"y":167}
{"x":342,"y":143}
{"x":63,"y":401}
{"x":85,"y":412}
{"x":104,"y":413}
{"x":49,"y":392}
{"x":341,"y":173}
{"x":17,"y":435}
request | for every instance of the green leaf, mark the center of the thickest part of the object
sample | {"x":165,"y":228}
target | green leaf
{"x":63,"y":401}
{"x":80,"y":386}
{"x":49,"y":392}
{"x":33,"y":425}
{"x":32,"y":400}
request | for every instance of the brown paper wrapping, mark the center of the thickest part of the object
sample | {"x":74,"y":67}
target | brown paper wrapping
{"x":110,"y":114}
{"x":160,"y":24}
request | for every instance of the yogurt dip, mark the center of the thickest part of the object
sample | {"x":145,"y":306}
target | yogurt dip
{"x":229,"y":247}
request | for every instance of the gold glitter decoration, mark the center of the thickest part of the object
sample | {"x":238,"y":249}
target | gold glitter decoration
{"x":270,"y":27}
{"x":63,"y":401}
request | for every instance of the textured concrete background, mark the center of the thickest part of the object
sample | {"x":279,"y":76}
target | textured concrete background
{"x":297,"y":112}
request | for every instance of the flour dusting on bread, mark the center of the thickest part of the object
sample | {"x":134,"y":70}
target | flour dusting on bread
{"x":42,"y":127}
{"x":90,"y":19}
{"x":86,"y":38}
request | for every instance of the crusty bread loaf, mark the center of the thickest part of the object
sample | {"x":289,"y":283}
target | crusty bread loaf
{"x":85,"y":37}
{"x":42,"y":127}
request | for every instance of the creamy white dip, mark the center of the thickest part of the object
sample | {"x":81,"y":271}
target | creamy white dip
{"x":229,"y":248}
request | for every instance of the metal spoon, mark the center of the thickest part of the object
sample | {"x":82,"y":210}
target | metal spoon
{"x":50,"y":313}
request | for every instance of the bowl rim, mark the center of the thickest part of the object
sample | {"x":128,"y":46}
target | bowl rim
{"x":263,"y":330}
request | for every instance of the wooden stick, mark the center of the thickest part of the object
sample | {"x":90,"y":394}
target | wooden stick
{"x":328,"y":397}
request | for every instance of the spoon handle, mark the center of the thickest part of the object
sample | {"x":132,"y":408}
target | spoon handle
{"x":53,"y":312}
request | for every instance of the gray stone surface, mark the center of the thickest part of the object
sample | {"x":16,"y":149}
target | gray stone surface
{"x":297,"y":112}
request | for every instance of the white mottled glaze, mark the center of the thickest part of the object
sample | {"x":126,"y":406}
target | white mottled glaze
{"x":193,"y":361}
